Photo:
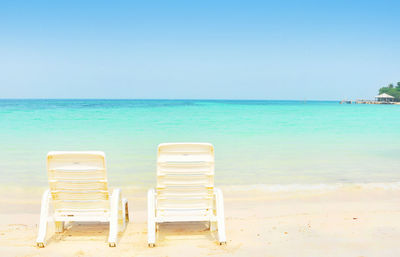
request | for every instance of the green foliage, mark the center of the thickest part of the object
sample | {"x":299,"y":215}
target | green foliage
{"x":391,"y":90}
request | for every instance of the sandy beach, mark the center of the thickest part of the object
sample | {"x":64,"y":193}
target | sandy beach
{"x":345,"y":222}
{"x":291,"y":108}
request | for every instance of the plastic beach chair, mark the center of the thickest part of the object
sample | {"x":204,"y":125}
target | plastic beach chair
{"x":185,"y":189}
{"x":79,"y":192}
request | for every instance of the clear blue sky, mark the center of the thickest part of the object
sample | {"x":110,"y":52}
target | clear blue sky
{"x":181,"y":49}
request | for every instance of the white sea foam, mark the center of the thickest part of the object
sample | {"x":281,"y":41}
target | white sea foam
{"x":313,"y":187}
{"x":384,"y":186}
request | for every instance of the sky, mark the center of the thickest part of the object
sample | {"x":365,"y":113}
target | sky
{"x":321,"y":50}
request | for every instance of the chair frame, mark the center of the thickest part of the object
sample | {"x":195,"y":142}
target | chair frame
{"x":117,"y":216}
{"x":216,"y":219}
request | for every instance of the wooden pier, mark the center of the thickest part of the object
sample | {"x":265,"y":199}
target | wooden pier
{"x":366,"y":102}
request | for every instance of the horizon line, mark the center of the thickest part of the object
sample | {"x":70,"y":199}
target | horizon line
{"x":172,"y":99}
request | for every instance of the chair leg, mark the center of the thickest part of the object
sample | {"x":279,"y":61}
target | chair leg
{"x":59,"y":226}
{"x":44,"y":214}
{"x":219,"y":202}
{"x":114,"y":217}
{"x":151,"y":219}
{"x":213,"y":226}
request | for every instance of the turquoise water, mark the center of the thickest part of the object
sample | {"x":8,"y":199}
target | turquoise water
{"x":256,"y":142}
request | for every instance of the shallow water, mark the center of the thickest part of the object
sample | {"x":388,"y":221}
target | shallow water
{"x":256,"y":142}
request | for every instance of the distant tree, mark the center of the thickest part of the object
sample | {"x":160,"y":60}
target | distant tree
{"x":390,"y":90}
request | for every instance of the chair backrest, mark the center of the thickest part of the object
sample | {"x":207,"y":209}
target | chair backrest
{"x":78,"y":182}
{"x":185,"y":176}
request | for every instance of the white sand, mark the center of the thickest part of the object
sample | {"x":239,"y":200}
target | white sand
{"x":337,"y":223}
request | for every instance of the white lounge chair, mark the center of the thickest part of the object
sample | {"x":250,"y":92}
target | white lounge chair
{"x":79,"y":192}
{"x":185,"y":189}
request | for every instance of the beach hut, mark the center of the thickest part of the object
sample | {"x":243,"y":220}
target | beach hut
{"x":384,"y":98}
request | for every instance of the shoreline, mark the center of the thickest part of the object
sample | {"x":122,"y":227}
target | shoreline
{"x":284,"y":187}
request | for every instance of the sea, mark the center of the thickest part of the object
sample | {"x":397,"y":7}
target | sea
{"x":271,"y":144}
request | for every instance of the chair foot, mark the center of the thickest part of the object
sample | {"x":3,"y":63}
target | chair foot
{"x":222,"y":243}
{"x":112,"y":244}
{"x":40,"y":245}
{"x":152,"y":245}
